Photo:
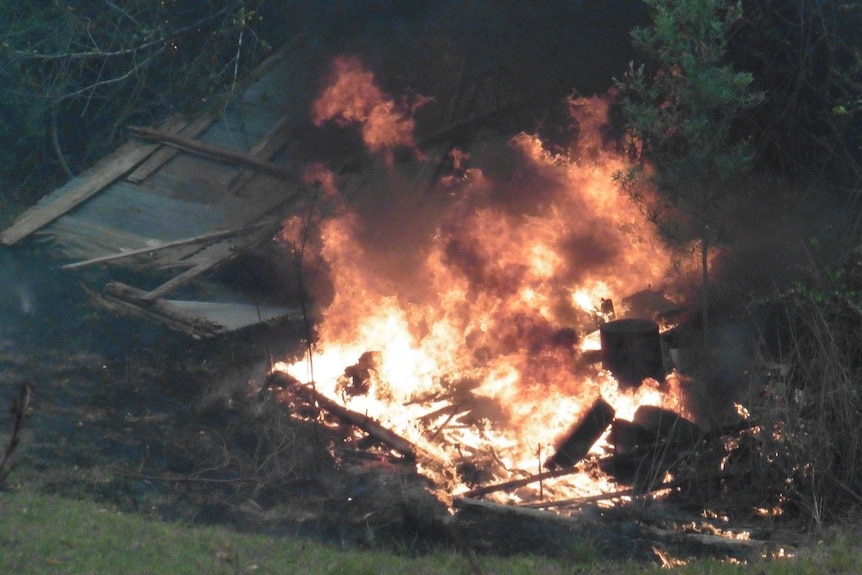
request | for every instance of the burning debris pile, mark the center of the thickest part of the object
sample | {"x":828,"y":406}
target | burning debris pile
{"x":466,"y":321}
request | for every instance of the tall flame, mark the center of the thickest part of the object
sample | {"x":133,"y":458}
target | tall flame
{"x":484,"y":307}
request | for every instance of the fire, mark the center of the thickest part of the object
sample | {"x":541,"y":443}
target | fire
{"x":477,"y":325}
{"x":353,"y":97}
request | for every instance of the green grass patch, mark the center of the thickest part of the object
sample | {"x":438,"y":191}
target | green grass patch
{"x":49,"y":534}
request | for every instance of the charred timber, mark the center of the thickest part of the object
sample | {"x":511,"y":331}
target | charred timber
{"x":667,"y":425}
{"x":363,"y":422}
{"x":580,"y":438}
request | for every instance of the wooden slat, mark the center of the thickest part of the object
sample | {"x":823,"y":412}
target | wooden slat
{"x":215,"y":152}
{"x":231,"y":316}
{"x":223,"y":253}
{"x":196,"y":318}
{"x":103,"y":174}
{"x":166,"y":154}
{"x":216,"y":255}
{"x":126,"y":298}
{"x":151,"y":249}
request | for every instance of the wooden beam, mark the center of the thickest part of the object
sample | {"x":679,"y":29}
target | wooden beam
{"x":363,"y":422}
{"x":265,"y":149}
{"x":214,"y":152}
{"x":166,"y":154}
{"x":516,"y":483}
{"x":190,"y":274}
{"x":220,"y":253}
{"x":126,"y":298}
{"x":176,"y":243}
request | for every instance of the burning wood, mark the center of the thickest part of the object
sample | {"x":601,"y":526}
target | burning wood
{"x":363,"y":422}
{"x":358,"y":376}
{"x":581,"y":437}
{"x":492,"y":285}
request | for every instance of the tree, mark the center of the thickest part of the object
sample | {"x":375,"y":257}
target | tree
{"x":807,"y":55}
{"x":682,"y":107}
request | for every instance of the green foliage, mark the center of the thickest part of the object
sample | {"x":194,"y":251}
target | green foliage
{"x":681,"y":109}
{"x":74,"y":74}
{"x":807,"y":56}
{"x":681,"y":106}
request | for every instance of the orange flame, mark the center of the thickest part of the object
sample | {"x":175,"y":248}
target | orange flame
{"x":485,"y":313}
{"x":322,"y":176}
{"x":352,"y":97}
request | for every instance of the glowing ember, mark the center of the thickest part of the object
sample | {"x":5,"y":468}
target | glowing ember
{"x":477,"y":323}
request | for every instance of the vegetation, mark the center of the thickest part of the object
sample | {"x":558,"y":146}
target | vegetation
{"x":684,"y":109}
{"x":74,"y":74}
{"x":806,"y":56}
{"x":44,"y":534}
{"x":680,"y":108}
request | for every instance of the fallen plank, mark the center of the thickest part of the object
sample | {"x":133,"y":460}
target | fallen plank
{"x":125,"y":298}
{"x":103,"y":174}
{"x":214,"y":152}
{"x":235,"y":316}
{"x":176,"y":243}
{"x":226,"y":252}
{"x":575,"y":501}
{"x":197,"y":318}
{"x":215,"y":255}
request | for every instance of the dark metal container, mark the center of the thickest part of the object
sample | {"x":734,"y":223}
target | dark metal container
{"x":631,"y":350}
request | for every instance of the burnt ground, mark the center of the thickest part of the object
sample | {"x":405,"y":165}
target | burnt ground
{"x":152,"y":422}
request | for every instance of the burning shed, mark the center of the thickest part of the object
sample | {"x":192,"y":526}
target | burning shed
{"x":467,"y":253}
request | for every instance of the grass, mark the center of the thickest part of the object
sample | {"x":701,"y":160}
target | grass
{"x":50,"y":534}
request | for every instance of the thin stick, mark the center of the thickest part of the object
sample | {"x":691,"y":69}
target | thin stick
{"x":514,"y":484}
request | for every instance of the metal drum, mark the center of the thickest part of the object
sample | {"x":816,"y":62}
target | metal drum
{"x":631,"y":351}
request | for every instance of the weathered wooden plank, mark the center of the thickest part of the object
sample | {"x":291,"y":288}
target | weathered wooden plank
{"x":197,"y":318}
{"x":218,"y":254}
{"x":231,"y":316}
{"x":103,"y":174}
{"x":98,"y":178}
{"x":215,"y":152}
{"x":80,"y":239}
{"x":125,"y":298}
{"x":163,"y":246}
{"x":196,"y":178}
{"x":210,"y":258}
{"x":165,"y":154}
